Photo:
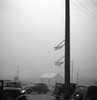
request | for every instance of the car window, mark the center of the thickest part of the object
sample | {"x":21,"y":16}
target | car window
{"x":81,"y":88}
{"x":0,"y":85}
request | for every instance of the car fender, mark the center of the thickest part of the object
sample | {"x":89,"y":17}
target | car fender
{"x":22,"y":97}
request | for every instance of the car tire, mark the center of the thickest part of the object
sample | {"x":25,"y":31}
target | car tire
{"x":45,"y":92}
{"x":57,"y":98}
{"x":39,"y":92}
{"x":8,"y":96}
{"x":23,"y":99}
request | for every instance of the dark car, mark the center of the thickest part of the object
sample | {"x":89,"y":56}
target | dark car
{"x":11,"y":93}
{"x":59,"y":90}
{"x":38,"y":88}
{"x":85,"y":92}
{"x":28,"y":89}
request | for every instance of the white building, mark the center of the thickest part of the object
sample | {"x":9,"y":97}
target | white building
{"x":51,"y":78}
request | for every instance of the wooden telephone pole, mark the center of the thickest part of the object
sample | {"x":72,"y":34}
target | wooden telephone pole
{"x":67,"y":51}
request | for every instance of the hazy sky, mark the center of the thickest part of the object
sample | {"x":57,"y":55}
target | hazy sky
{"x":30,"y":29}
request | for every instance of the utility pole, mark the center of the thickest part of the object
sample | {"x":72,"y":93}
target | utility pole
{"x":67,"y":52}
{"x":77,"y":78}
{"x":72,"y":70}
{"x":17,"y":73}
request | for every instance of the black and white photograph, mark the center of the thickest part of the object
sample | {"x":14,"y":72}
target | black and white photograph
{"x":48,"y":49}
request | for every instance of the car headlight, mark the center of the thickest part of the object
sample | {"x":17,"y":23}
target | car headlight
{"x":23,"y":91}
{"x":78,"y":96}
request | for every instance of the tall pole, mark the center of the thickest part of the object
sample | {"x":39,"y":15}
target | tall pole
{"x":72,"y":70}
{"x":67,"y":52}
{"x":17,"y":73}
{"x":77,"y":78}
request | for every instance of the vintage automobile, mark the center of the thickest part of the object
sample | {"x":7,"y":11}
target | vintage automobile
{"x":85,"y":92}
{"x":37,"y":88}
{"x":59,"y":90}
{"x":11,"y":93}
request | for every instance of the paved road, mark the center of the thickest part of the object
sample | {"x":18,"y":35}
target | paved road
{"x":40,"y":97}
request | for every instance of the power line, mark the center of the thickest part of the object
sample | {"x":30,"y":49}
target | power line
{"x":85,"y":61}
{"x":94,"y":2}
{"x":83,"y":10}
{"x":86,"y":9}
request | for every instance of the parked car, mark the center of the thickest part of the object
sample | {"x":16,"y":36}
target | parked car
{"x":59,"y":90}
{"x":28,"y":89}
{"x":11,"y":93}
{"x":38,"y":88}
{"x":85,"y":92}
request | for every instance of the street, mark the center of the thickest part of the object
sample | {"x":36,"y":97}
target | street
{"x":40,"y":96}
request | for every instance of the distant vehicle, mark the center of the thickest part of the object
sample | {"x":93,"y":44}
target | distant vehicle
{"x":85,"y":92}
{"x":59,"y":90}
{"x":37,"y":88}
{"x":11,"y":93}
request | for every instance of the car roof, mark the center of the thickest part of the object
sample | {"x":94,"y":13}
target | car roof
{"x":6,"y":80}
{"x":87,"y":85}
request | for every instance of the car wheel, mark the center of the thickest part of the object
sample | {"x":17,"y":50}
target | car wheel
{"x":57,"y":98}
{"x":8,"y":96}
{"x":39,"y":92}
{"x":45,"y":92}
{"x":24,"y":99}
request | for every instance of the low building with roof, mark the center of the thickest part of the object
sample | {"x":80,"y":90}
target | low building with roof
{"x":51,"y":78}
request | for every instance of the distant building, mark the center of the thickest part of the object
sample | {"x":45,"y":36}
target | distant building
{"x":51,"y":78}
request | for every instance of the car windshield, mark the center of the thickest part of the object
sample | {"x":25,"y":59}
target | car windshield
{"x":82,"y":87}
{"x":41,"y":84}
{"x":59,"y":85}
